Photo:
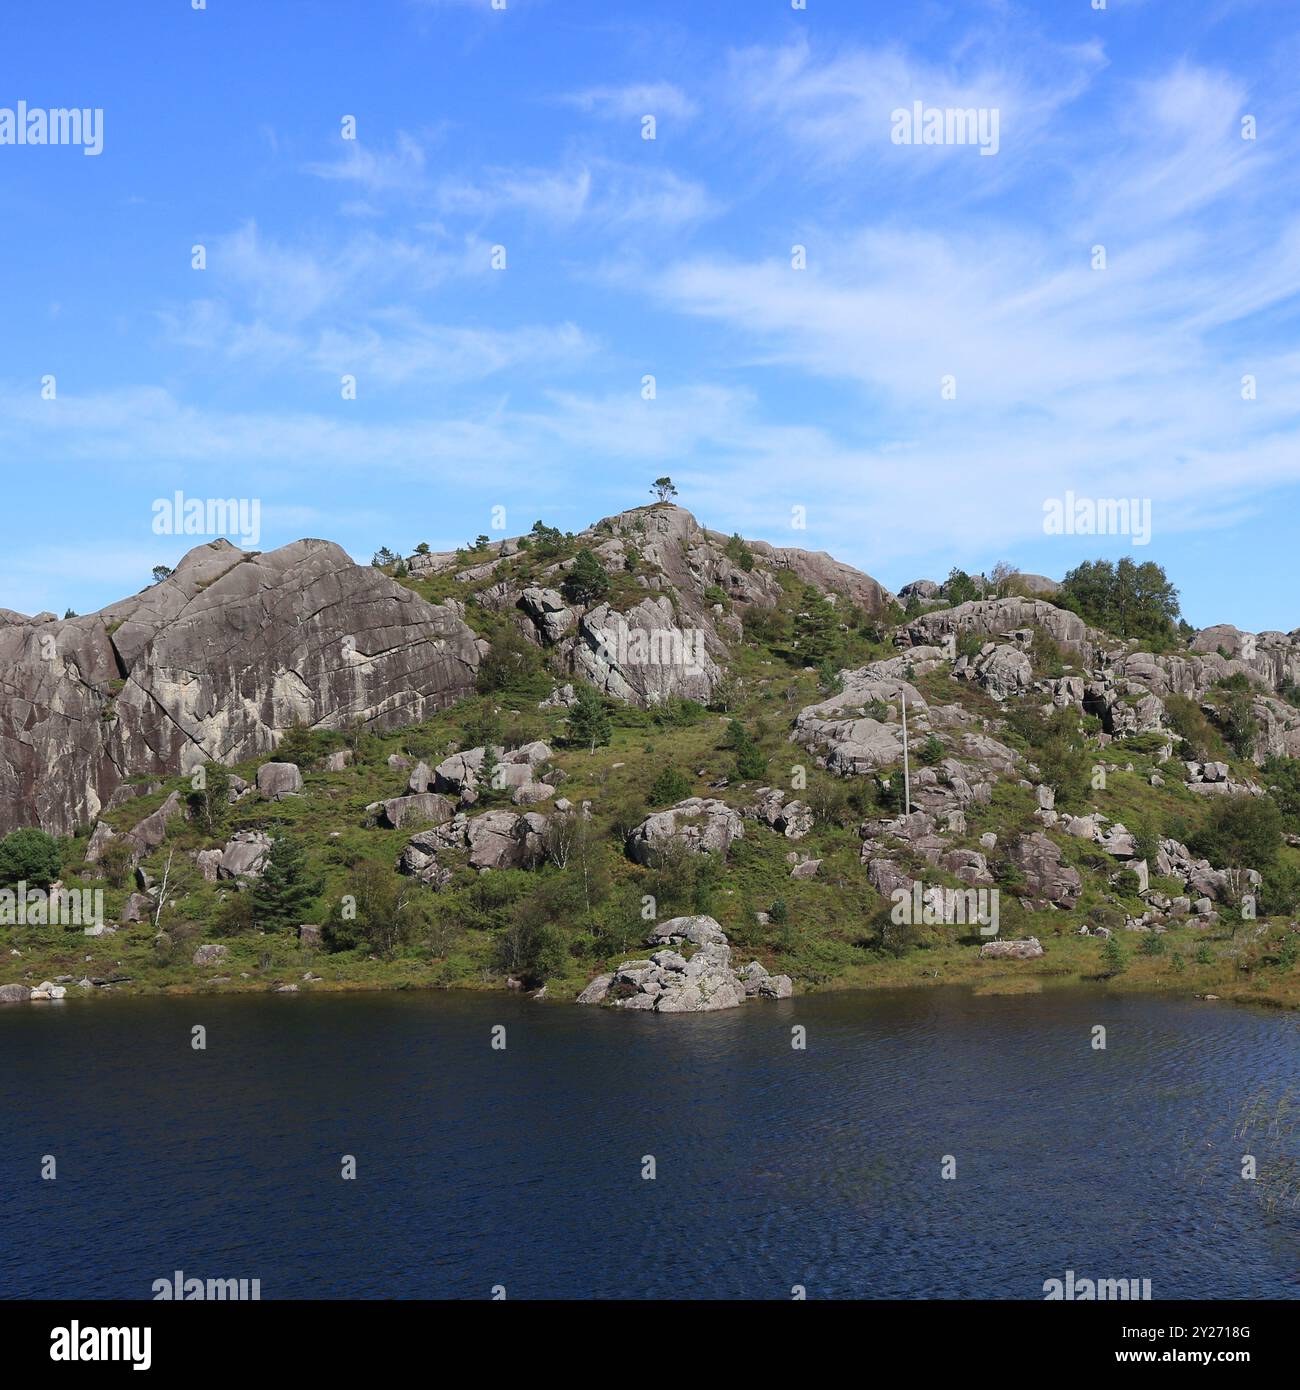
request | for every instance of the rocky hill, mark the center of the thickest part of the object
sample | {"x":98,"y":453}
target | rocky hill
{"x":213,"y":664}
{"x":524,"y":760}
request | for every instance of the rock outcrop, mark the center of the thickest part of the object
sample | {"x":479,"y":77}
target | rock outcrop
{"x":793,"y":818}
{"x":672,"y":983}
{"x":671,"y":642}
{"x":493,"y":840}
{"x":1047,"y":876}
{"x":997,"y":618}
{"x":214,"y":663}
{"x":700,"y":825}
{"x":1027,"y":949}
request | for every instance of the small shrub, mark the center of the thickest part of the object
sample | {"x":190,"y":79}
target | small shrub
{"x":670,"y":787}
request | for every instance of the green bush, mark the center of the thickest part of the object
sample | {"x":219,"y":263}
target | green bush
{"x":588,"y":725}
{"x":931,"y":751}
{"x":382,"y":912}
{"x":512,"y":663}
{"x":1188,"y":721}
{"x":740,"y":554}
{"x":1282,"y":777}
{"x":30,"y":856}
{"x":117,"y":860}
{"x":750,"y":762}
{"x":587,"y":580}
{"x":1114,"y":957}
{"x":302,"y":746}
{"x":1045,"y":654}
{"x":670,"y":787}
{"x":209,"y":802}
{"x":1241,"y":832}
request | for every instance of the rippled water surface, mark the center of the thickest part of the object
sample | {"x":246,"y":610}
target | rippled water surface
{"x":775,"y":1167}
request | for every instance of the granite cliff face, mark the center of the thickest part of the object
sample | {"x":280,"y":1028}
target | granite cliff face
{"x":213,"y":663}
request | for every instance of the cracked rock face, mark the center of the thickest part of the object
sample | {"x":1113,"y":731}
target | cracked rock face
{"x":1047,"y":876}
{"x":213,"y":664}
{"x":646,"y":655}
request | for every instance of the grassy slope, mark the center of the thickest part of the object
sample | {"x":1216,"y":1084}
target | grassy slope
{"x":820,"y":938}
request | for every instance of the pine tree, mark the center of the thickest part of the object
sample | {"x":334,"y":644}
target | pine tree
{"x":750,"y":762}
{"x":589,"y":720}
{"x":819,"y":624}
{"x":286,"y":889}
{"x":299,"y":746}
{"x":587,"y":580}
{"x":1114,"y":957}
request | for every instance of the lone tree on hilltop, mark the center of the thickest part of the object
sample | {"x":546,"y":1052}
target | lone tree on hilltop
{"x":663,"y":488}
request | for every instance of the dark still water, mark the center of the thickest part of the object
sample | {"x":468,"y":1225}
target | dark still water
{"x":523,"y":1168}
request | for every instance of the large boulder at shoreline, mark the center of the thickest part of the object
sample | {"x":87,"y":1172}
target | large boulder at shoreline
{"x":670,"y":982}
{"x":1028,"y":949}
{"x":757,"y":980}
{"x":14,"y":994}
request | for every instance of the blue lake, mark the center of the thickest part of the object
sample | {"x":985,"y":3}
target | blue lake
{"x":522,"y":1167}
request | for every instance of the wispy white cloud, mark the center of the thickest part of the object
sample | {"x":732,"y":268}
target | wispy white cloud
{"x":399,"y":170}
{"x":631,"y":102}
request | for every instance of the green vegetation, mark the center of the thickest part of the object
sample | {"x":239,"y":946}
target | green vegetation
{"x":669,"y":787}
{"x":286,"y":889}
{"x":960,"y":588}
{"x":739,"y":553}
{"x":589,"y":725}
{"x":29,"y":856}
{"x":582,"y":908}
{"x":1128,"y":599}
{"x":587,"y":581}
{"x":209,"y":796}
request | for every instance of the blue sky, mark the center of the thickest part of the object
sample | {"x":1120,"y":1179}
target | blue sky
{"x":776,"y":388}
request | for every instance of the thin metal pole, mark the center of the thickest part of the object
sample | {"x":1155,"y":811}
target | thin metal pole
{"x":907,"y":775}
